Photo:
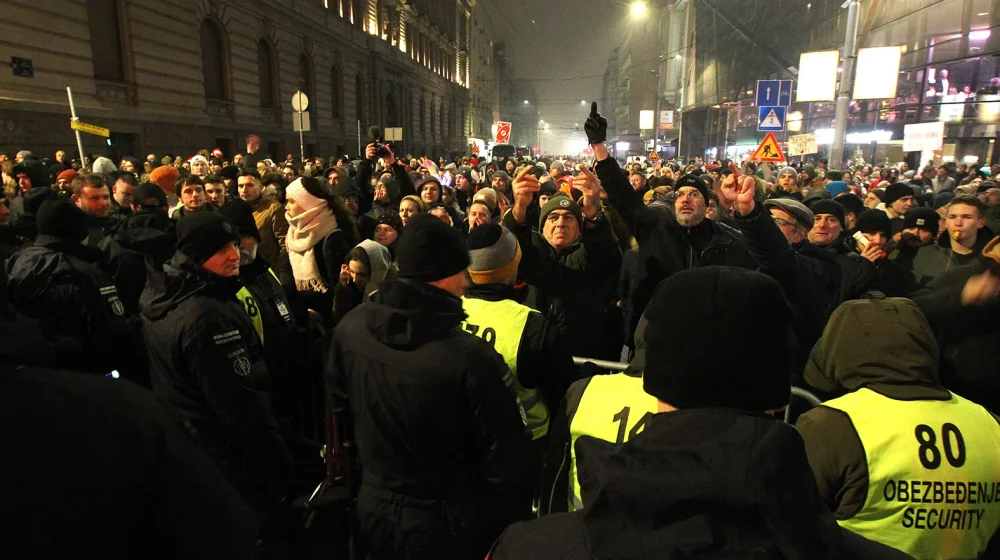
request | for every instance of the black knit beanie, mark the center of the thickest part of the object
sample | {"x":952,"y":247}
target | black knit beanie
{"x":897,"y":191}
{"x":391,"y":218}
{"x":874,"y":220}
{"x":202,"y":234}
{"x":830,"y":207}
{"x":690,"y":312}
{"x":241,"y":215}
{"x":560,"y":201}
{"x":692,"y":180}
{"x":430,"y":250}
{"x":850,"y":203}
{"x":63,"y":220}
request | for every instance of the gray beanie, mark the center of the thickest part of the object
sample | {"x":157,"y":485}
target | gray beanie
{"x":802,"y":214}
{"x":787,"y":170}
{"x":494,"y":254}
{"x":103,"y":166}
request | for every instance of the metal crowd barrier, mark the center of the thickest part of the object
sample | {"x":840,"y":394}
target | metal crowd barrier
{"x":798,"y":392}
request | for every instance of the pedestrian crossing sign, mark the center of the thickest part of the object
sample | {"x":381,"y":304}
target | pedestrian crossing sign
{"x":769,"y":150}
{"x":770,"y":119}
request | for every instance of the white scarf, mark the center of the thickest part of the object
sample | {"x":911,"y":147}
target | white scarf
{"x":305,"y":231}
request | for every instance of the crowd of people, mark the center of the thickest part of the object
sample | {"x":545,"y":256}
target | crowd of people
{"x":170,"y":326}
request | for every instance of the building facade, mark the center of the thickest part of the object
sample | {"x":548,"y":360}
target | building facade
{"x":484,"y":85}
{"x":180,"y":75}
{"x":949,"y":72}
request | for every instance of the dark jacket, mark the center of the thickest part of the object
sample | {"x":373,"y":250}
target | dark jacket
{"x":574,"y":287}
{"x":138,"y":486}
{"x":666,"y":247}
{"x":206,"y":365}
{"x":969,"y":336}
{"x":330,"y":254}
{"x":696,"y":483}
{"x":809,"y":276}
{"x":933,"y":260}
{"x":435,"y":421}
{"x":25,"y":206}
{"x":858,"y":275}
{"x":60,"y":284}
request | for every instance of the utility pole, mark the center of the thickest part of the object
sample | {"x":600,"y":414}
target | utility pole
{"x":659,"y":76}
{"x":846,"y":81}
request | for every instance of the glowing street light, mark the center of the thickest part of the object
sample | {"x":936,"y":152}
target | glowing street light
{"x":525,"y":101}
{"x":638,"y":9}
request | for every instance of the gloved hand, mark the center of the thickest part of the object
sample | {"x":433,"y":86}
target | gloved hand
{"x":596,"y":126}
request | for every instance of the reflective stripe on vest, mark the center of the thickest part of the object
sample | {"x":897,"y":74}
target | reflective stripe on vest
{"x":253,"y":311}
{"x":613,"y":408}
{"x":501,"y":323}
{"x":933,"y":474}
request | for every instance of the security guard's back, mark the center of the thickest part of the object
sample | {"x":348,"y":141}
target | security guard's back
{"x":900,"y":459}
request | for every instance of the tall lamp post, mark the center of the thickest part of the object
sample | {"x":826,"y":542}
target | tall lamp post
{"x":844,"y":93}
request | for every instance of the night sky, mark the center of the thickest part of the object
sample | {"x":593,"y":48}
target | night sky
{"x":553,"y":43}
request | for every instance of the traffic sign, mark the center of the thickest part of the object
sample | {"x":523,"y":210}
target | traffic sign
{"x":300,"y":122}
{"x":503,"y":132}
{"x":653,"y":156}
{"x":771,"y":118}
{"x":300,"y":101}
{"x":775,"y":93}
{"x":769,"y":150}
{"x":89,"y":128}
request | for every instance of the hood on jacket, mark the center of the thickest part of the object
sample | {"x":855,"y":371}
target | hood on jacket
{"x":378,"y":259}
{"x":874,"y":341}
{"x":31,"y":271}
{"x":180,"y":279}
{"x":408,"y":314}
{"x":704,"y":480}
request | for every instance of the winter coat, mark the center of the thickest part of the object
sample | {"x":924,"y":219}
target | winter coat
{"x":698,"y":483}
{"x":206,"y":365}
{"x":435,"y":421}
{"x":59,"y":284}
{"x":269,"y":215}
{"x":969,"y":336}
{"x":666,"y":247}
{"x":858,"y":275}
{"x":809,"y":276}
{"x":573,"y":288}
{"x":933,"y":260}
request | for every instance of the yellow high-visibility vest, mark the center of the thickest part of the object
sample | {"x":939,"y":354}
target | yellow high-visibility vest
{"x":614,"y":408}
{"x":933,"y":474}
{"x":253,"y":311}
{"x":501,"y":323}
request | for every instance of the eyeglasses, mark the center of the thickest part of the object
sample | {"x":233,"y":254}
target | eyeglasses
{"x":693,"y":195}
{"x":783,"y":223}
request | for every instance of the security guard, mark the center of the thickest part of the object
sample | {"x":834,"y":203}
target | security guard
{"x":612,"y":408}
{"x":900,"y":459}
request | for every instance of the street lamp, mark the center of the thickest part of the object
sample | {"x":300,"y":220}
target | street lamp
{"x":638,"y":8}
{"x":525,"y":101}
{"x":582,"y":102}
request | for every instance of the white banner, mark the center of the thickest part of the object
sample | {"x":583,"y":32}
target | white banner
{"x":878,"y":73}
{"x":924,"y":136}
{"x":802,"y":144}
{"x":817,"y":76}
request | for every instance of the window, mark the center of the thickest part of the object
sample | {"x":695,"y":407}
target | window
{"x":423,"y":114}
{"x":359,"y":97}
{"x":336,"y":94}
{"x":267,"y":74}
{"x":307,"y":85}
{"x":214,"y":65}
{"x":106,"y":40}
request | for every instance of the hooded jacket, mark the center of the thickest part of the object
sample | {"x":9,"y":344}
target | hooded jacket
{"x":885,"y":345}
{"x":206,"y":365}
{"x":699,"y":483}
{"x":434,"y":417}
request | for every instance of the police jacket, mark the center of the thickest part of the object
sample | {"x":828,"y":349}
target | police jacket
{"x":894,"y":389}
{"x":573,"y":287}
{"x":206,"y":364}
{"x":59,"y":284}
{"x":699,"y":483}
{"x":429,"y":405}
{"x":666,"y":247}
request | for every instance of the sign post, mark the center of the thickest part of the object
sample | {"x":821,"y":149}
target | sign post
{"x":300,"y":102}
{"x":79,"y":142}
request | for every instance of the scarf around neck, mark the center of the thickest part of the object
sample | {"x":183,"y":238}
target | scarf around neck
{"x":305,"y":231}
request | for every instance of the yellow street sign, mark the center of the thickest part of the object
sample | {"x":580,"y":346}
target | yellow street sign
{"x":653,"y":156}
{"x":89,"y":128}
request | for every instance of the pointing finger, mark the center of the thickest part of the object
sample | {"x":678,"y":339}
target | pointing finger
{"x":593,"y":109}
{"x":734,"y":169}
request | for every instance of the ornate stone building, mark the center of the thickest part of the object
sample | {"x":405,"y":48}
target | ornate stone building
{"x":179,"y":75}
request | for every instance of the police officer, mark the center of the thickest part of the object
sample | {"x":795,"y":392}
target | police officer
{"x":57,"y":281}
{"x":205,"y":358}
{"x":900,"y":459}
{"x":612,"y":408}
